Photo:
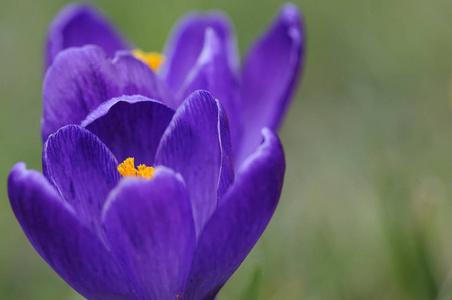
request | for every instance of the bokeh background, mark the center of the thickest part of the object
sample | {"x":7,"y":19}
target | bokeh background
{"x":366,"y":210}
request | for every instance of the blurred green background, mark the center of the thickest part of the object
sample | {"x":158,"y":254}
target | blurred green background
{"x":366,"y":210}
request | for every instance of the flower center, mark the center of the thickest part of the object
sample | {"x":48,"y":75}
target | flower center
{"x":153,"y":59}
{"x":127,"y":168}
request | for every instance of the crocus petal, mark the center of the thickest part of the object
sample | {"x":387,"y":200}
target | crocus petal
{"x":212,"y":73}
{"x":81,"y":79}
{"x":269,"y":77}
{"x":226,"y":177}
{"x":150,"y":229}
{"x":239,"y":220}
{"x":78,"y":25}
{"x":83,"y":170}
{"x":66,"y":244}
{"x":130,"y":126}
{"x":137,"y":78}
{"x":193,"y":145}
{"x":186,"y":42}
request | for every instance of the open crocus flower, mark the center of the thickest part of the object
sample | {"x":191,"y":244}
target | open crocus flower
{"x":175,"y":229}
{"x":201,"y":53}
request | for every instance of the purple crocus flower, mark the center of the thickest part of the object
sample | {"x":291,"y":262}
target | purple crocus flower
{"x":216,"y":183}
{"x":201,"y":53}
{"x":179,"y":235}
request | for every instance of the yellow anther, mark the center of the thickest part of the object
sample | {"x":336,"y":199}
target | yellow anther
{"x":127,"y":168}
{"x":144,"y":171}
{"x":153,"y":59}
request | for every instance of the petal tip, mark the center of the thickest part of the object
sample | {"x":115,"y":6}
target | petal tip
{"x":71,"y":11}
{"x":81,"y":24}
{"x":291,"y":18}
{"x":64,"y":56}
{"x":201,"y":94}
{"x":270,"y":137}
{"x":18,"y":167}
{"x":271,"y":145}
{"x":290,"y":14}
{"x":16,"y":171}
